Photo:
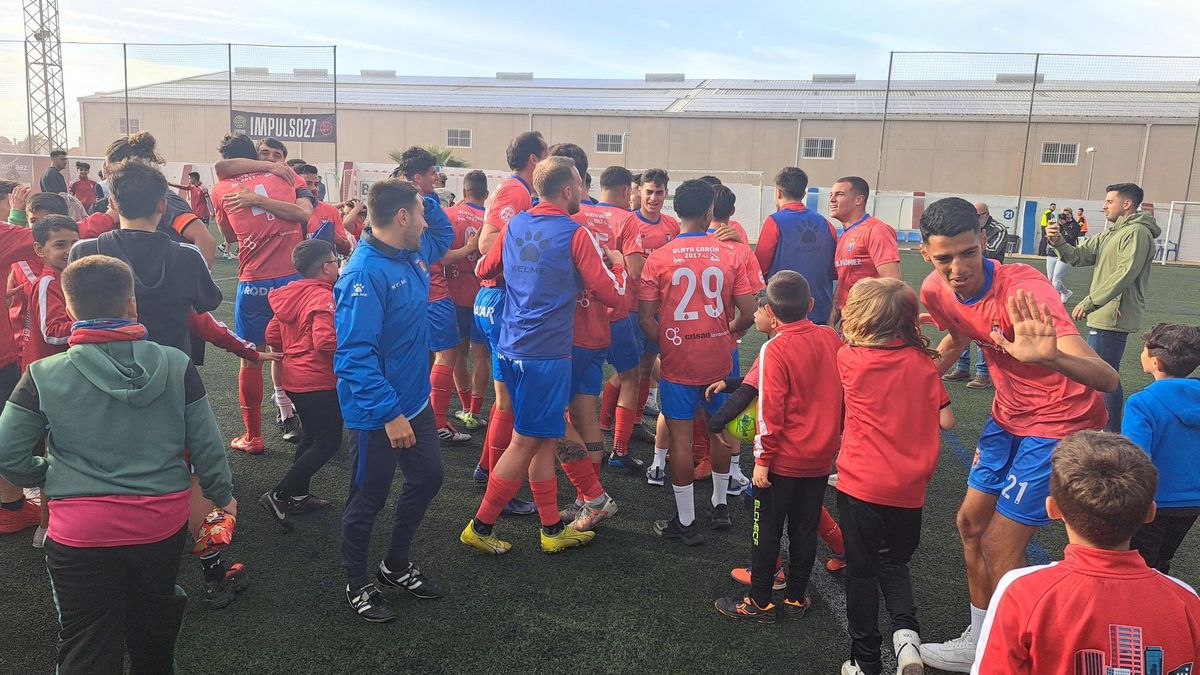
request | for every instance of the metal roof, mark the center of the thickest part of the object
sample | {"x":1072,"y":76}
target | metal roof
{"x":696,"y":97}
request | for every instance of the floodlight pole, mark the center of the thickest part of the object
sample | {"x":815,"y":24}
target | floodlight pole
{"x":1091,"y":167}
{"x":44,"y":77}
{"x":887,"y":95}
{"x":1025,"y":149}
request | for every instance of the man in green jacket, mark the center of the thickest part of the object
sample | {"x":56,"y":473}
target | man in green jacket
{"x":1121,"y":254}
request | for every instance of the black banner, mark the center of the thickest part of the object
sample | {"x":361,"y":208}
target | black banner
{"x":315,"y":128}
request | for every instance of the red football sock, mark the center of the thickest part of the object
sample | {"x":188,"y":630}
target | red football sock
{"x":250,"y":395}
{"x":831,"y":533}
{"x":441,"y":382}
{"x":596,"y":467}
{"x":643,"y":393}
{"x":700,"y":449}
{"x":623,"y":429}
{"x":502,"y":429}
{"x":476,"y":404}
{"x":464,"y":399}
{"x":500,"y":492}
{"x":485,"y":457}
{"x":583,"y":477}
{"x":545,"y":495}
{"x":608,"y":404}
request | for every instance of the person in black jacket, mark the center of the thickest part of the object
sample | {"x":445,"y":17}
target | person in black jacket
{"x":52,"y":178}
{"x":171,"y":278}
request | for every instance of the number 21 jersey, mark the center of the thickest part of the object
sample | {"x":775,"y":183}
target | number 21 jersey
{"x":695,"y":278}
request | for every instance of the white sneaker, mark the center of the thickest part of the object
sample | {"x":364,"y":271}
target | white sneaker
{"x":1066,"y":295}
{"x":851,"y":668}
{"x":449,"y":434}
{"x":832,"y":480}
{"x":590,"y":516}
{"x":39,"y":537}
{"x":956,"y":656}
{"x":737,"y":485}
{"x":655,"y":476}
{"x":907,"y":646}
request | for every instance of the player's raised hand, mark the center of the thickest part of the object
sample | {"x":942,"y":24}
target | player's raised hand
{"x":19,"y":198}
{"x":1034,"y":338}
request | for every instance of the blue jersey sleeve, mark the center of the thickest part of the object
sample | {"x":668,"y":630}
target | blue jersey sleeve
{"x":358,"y":362}
{"x":436,"y":239}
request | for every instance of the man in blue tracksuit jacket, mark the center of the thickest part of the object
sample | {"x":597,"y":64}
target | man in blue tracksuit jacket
{"x":382,"y":364}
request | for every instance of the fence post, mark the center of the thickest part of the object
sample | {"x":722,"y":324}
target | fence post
{"x":125,"y":67}
{"x":1025,"y":151}
{"x":336,"y":121}
{"x":1170,"y":219}
{"x":229,"y":80}
{"x":887,"y":94}
{"x":1187,"y":189}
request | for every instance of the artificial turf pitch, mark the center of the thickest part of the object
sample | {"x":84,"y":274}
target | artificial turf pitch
{"x":629,"y":602}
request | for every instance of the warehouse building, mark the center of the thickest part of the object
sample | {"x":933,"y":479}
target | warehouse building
{"x":964,"y":137}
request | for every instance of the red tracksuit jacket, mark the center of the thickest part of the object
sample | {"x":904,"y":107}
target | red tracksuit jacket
{"x":1094,"y":613}
{"x":799,"y":401}
{"x":303,"y":330}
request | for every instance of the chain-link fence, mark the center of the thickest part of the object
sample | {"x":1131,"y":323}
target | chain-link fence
{"x":188,"y":95}
{"x":1015,"y":131}
{"x":1043,"y":128}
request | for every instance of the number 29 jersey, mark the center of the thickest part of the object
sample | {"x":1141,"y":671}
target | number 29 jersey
{"x":695,"y":279}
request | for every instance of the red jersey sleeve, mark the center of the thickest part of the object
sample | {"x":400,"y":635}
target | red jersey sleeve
{"x":95,"y":225}
{"x":882,"y":245}
{"x":16,"y":245}
{"x":1003,"y":644}
{"x":217,"y":333}
{"x":491,"y":264}
{"x":510,"y":199}
{"x":607,"y":285}
{"x":324,"y":337}
{"x":648,"y":284}
{"x":53,"y":320}
{"x":749,"y":277}
{"x":772,"y":396}
{"x":768,"y":239}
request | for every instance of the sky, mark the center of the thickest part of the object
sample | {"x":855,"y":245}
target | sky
{"x":607,"y":39}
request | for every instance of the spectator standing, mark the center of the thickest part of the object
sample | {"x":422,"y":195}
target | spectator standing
{"x":1121,"y":256}
{"x":52,"y":178}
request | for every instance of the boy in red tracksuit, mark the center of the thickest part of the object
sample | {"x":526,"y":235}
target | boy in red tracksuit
{"x":799,"y":428}
{"x":47,"y":323}
{"x":1100,"y":610}
{"x":302,"y":328}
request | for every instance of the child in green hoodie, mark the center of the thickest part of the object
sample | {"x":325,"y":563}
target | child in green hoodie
{"x":120,"y":508}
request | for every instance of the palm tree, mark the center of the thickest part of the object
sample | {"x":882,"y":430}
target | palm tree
{"x":445,"y":156}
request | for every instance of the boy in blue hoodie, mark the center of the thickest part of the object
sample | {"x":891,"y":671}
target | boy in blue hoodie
{"x":382,"y":365}
{"x":1164,"y":420}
